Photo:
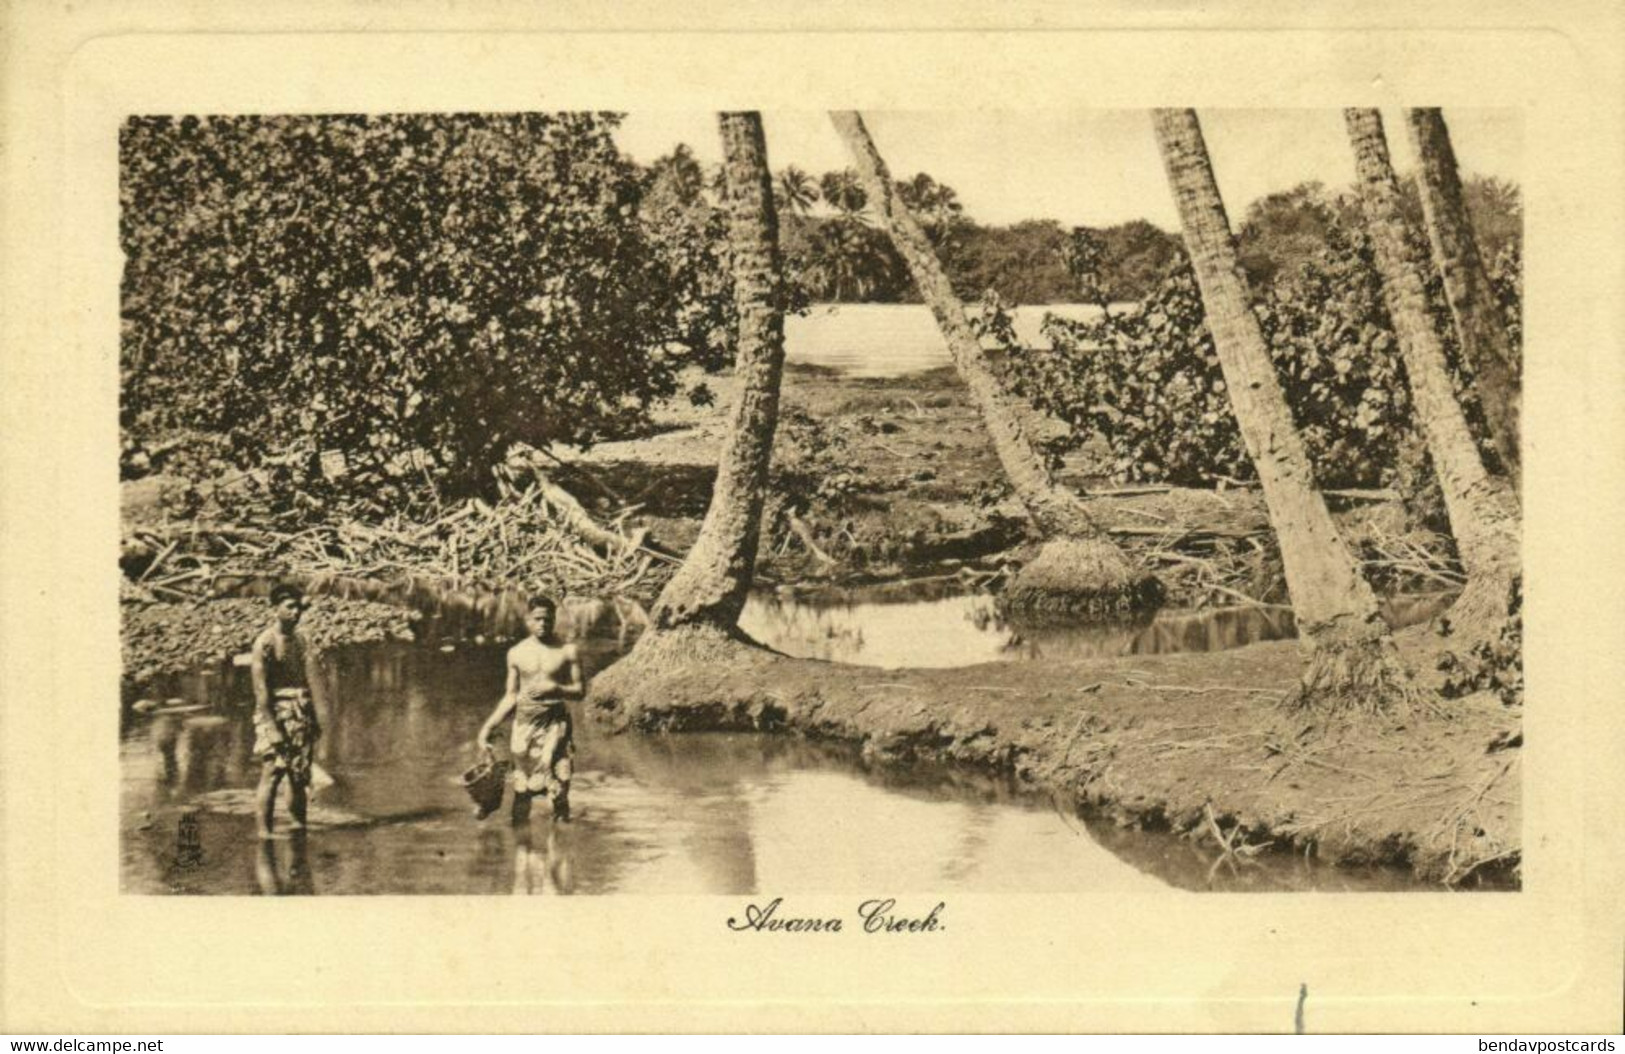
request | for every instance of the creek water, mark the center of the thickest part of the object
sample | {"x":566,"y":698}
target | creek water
{"x":889,"y":340}
{"x":695,"y":813}
{"x":938,"y":624}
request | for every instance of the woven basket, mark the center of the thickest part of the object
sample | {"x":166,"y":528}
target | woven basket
{"x":484,"y":784}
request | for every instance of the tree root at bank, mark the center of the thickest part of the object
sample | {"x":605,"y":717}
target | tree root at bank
{"x":1480,"y":615}
{"x":1151,"y":741}
{"x":1355,"y":672}
{"x":1083,"y":577}
{"x":1493,"y":662}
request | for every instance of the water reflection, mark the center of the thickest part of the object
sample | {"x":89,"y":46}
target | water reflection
{"x":930,"y":623}
{"x":688,"y":814}
{"x":282,"y":866}
{"x":938,"y":624}
{"x":544,"y":863}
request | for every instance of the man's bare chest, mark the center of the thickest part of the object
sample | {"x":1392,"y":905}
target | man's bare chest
{"x":540,"y":661}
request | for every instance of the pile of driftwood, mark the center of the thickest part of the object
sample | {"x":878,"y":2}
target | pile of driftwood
{"x":532,"y":538}
{"x":1218,"y":547}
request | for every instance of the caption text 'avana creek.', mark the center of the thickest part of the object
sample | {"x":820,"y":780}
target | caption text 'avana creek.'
{"x":873,"y":916}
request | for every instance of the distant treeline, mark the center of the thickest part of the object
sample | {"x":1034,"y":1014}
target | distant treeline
{"x":837,"y":255}
{"x":1024,"y":263}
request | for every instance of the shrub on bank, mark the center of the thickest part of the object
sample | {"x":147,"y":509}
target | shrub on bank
{"x":1148,"y":380}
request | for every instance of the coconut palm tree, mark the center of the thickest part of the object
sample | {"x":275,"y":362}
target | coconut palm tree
{"x":934,"y":206}
{"x":1479,"y":326}
{"x":844,"y":193}
{"x":1352,"y":661}
{"x":1080,"y":568}
{"x":711,"y":585}
{"x":1483,"y":512}
{"x":677,"y":179}
{"x":796,"y":190}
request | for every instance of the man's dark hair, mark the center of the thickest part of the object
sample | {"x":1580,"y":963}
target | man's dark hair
{"x":286,"y":592}
{"x":542,"y":600}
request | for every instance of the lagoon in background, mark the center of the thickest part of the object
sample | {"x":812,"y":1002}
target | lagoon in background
{"x":888,"y":340}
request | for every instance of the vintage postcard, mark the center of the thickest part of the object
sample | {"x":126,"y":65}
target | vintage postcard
{"x":810,"y":520}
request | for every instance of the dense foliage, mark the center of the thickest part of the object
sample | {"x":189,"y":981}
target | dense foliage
{"x":835,"y":251}
{"x":842,"y":259}
{"x":406,"y":295}
{"x":1032,"y":262}
{"x":680,"y":214}
{"x":1148,"y":381}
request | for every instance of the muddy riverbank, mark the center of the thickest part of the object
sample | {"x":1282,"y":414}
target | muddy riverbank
{"x":907,"y":484}
{"x":1189,"y":743}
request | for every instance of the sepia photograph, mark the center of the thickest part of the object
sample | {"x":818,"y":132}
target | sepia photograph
{"x":751,"y":518}
{"x":892,"y":503}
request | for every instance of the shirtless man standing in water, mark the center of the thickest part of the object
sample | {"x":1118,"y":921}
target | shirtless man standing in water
{"x":542,"y":674}
{"x":285,"y":725}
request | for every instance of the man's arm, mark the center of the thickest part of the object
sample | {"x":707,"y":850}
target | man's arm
{"x":572,"y":686}
{"x":312,"y":658}
{"x":505,"y":705}
{"x":262,"y":688}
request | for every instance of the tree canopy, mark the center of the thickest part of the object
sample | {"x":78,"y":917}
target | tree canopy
{"x":412,"y":292}
{"x":415,"y":293}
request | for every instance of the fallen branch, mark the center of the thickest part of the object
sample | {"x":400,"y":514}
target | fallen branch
{"x":1380,"y":494}
{"x":1186,"y":533}
{"x":1126,"y":492}
{"x":586,"y":474}
{"x":576,"y":518}
{"x":803,"y":532}
{"x":1245,"y":599}
{"x":158,"y":560}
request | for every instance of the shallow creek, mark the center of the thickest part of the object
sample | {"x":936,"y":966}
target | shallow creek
{"x":696,"y":813}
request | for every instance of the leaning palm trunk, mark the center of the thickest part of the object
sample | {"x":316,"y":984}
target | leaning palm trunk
{"x":1352,"y":661}
{"x":1479,"y":328}
{"x":1079,"y":569}
{"x":711,"y":586}
{"x":1483,"y":513}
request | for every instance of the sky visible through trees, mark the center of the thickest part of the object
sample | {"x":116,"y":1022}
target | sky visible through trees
{"x":1094,"y":168}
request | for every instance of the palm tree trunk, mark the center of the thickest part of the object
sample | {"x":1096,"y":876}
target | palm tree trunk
{"x":1085,"y":571}
{"x":1483,"y":513}
{"x":1352,"y":661}
{"x":712,"y":584}
{"x":1479,"y":328}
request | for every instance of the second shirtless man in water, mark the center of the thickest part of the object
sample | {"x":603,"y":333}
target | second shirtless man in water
{"x":542,"y":674}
